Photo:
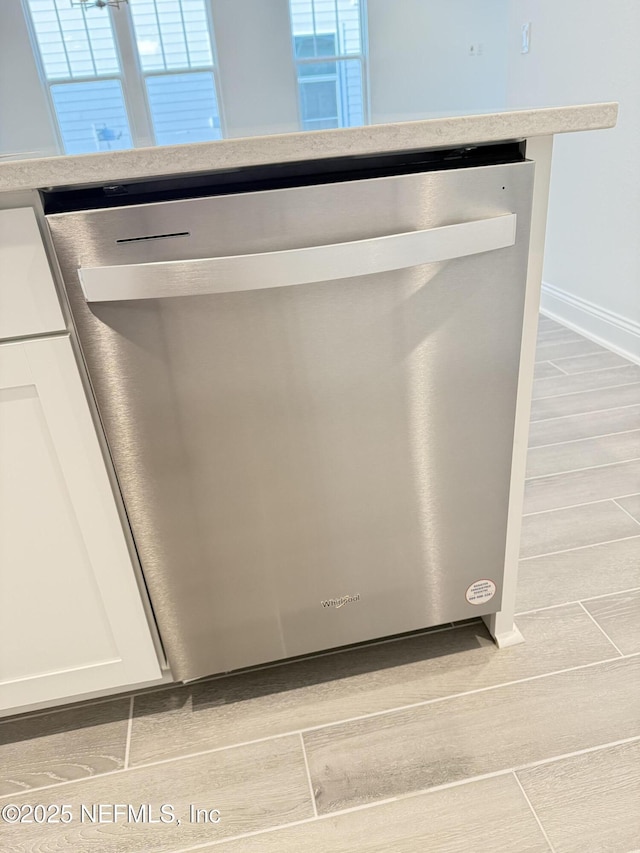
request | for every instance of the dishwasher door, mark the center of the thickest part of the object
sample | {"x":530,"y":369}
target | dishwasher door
{"x":309,"y":397}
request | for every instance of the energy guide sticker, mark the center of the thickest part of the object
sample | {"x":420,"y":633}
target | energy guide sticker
{"x":481,"y":591}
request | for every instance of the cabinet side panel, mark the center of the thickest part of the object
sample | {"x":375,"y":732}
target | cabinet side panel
{"x":28,"y":300}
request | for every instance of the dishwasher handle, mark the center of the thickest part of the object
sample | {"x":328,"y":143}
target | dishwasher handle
{"x":288,"y":267}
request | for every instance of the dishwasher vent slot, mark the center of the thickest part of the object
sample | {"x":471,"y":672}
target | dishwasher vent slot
{"x":154,"y":237}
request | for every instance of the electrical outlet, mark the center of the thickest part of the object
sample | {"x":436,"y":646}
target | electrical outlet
{"x":526,"y":37}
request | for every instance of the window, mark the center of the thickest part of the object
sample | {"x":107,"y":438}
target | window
{"x":328,"y":47}
{"x":80,"y":62}
{"x":175,"y":36}
{"x":165,"y":92}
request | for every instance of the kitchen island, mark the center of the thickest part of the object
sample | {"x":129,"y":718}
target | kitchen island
{"x":448,"y":132}
{"x":21,"y":181}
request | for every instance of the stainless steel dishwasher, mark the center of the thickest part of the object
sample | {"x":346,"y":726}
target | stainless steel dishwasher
{"x":307,"y":382}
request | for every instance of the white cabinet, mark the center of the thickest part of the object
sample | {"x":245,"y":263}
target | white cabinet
{"x":71,"y":615}
{"x":28,"y":301}
{"x":72,"y":622}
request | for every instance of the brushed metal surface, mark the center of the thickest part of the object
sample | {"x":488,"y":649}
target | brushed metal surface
{"x":284,"y":447}
{"x":289,"y":267}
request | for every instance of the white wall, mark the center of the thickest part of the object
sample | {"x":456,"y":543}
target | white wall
{"x":587,"y":50}
{"x":419,"y":62}
{"x":419,"y":57}
{"x":25,"y":123}
{"x":256,"y":74}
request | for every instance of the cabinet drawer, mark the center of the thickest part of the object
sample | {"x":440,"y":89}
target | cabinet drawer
{"x":29,"y":303}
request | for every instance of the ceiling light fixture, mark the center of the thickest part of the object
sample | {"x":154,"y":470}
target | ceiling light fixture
{"x":100,"y":4}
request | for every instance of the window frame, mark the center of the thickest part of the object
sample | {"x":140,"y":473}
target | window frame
{"x":334,"y":78}
{"x":321,"y":78}
{"x":361,"y":57}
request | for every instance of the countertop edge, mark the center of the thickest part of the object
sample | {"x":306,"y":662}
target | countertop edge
{"x":106,"y":167}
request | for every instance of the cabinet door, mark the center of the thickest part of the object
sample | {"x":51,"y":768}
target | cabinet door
{"x":71,"y":615}
{"x":29,"y":303}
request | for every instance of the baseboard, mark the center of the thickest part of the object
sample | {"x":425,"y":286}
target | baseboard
{"x":604,"y":327}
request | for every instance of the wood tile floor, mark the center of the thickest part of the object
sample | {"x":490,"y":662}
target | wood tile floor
{"x":437,"y":742}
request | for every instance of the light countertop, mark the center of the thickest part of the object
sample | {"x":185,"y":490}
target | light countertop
{"x":113,"y":166}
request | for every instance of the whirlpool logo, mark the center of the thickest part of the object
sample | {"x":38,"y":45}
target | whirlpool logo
{"x":340,"y":602}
